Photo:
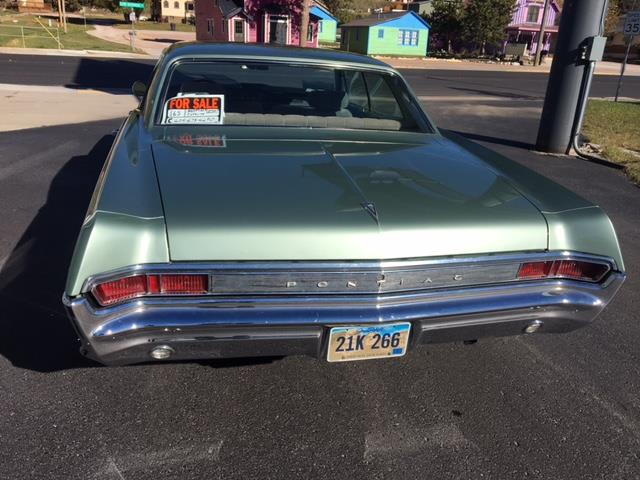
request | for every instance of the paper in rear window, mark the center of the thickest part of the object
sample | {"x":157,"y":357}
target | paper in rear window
{"x":193,"y":108}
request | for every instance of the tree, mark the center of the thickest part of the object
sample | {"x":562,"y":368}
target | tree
{"x":613,"y":16}
{"x":446,"y":20}
{"x":347,"y":10}
{"x":485,"y":21}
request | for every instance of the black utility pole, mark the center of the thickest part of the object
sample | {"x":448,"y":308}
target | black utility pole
{"x":540,"y":43}
{"x":581,"y":20}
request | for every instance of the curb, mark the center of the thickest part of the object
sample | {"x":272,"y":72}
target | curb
{"x":74,"y":53}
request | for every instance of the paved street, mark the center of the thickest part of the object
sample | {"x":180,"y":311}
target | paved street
{"x":541,"y":407}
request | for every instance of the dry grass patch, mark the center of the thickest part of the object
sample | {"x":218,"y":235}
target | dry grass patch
{"x":615,"y":127}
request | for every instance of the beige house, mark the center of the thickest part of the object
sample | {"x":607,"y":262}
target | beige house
{"x":175,"y":11}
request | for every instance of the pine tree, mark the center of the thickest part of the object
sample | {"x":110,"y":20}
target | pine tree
{"x":485,"y":21}
{"x":446,"y":20}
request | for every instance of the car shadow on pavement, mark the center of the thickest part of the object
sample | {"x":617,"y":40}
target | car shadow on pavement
{"x":495,"y":140}
{"x":36,"y":333}
{"x":110,"y":75}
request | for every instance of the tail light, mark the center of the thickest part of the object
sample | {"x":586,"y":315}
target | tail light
{"x":109,"y":293}
{"x":571,"y":269}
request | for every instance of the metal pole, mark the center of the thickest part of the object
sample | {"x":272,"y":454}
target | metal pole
{"x":540,"y":43}
{"x":60,"y":18}
{"x":581,"y":19}
{"x":624,"y":66}
{"x":132,"y":34}
{"x":64,"y":16}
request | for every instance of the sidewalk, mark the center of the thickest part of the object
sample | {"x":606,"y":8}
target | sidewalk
{"x":30,"y":106}
{"x":602,"y":68}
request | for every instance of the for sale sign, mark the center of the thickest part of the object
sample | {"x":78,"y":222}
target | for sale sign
{"x":632,"y":24}
{"x":194,"y":109}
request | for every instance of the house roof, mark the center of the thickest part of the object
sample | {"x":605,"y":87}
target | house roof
{"x":229,"y":8}
{"x":321,"y":12}
{"x":380,"y":18}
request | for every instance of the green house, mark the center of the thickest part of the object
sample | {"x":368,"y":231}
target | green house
{"x":396,"y":33}
{"x":327,"y":23}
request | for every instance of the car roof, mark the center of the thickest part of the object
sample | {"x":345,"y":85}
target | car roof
{"x":268,"y":52}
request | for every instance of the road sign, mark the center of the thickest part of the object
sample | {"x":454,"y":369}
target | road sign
{"x":131,"y":5}
{"x":632,"y":24}
{"x":631,"y":28}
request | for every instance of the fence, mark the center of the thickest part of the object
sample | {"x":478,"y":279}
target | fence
{"x":26,"y":36}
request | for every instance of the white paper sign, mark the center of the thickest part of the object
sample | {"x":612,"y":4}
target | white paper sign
{"x":194,"y":108}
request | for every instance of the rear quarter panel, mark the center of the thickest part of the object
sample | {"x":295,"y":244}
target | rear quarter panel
{"x":574,"y":222}
{"x":124,"y":224}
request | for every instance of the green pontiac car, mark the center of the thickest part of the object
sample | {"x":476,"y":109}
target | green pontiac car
{"x":267,"y":201}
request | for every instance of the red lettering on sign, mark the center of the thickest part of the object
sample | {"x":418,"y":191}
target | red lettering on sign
{"x":208,"y":103}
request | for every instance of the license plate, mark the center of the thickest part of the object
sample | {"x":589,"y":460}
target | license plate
{"x":366,"y":342}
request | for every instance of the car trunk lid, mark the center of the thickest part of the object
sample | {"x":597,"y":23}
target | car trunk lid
{"x":320,"y":200}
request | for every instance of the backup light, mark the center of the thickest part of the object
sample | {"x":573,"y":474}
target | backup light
{"x":571,"y":269}
{"x":109,"y":293}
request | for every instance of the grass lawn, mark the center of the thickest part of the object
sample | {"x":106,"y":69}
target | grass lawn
{"x":616,"y":128}
{"x":180,"y":27}
{"x":35,"y":36}
{"x":331,"y":45}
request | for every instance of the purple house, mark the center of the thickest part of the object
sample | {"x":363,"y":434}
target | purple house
{"x":525,"y":25}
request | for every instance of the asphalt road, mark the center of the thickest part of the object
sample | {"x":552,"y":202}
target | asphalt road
{"x":542,"y":407}
{"x":86,"y":72}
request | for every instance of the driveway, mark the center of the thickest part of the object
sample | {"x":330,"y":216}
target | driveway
{"x":152,"y":42}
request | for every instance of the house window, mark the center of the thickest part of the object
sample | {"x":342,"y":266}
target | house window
{"x":320,"y":26}
{"x":210,"y":25}
{"x":190,"y":7}
{"x":176,"y":4}
{"x":224,"y":25}
{"x":532,"y":14}
{"x":165,"y":4}
{"x":381,"y":33}
{"x":310,"y":33}
{"x":238,"y":27}
{"x":408,"y":38}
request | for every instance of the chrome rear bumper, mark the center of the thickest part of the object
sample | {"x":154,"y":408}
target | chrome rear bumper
{"x":225,"y":327}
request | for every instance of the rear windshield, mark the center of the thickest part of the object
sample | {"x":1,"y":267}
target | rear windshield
{"x":273,"y":94}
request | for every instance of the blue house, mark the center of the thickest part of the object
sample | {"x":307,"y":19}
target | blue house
{"x":396,"y":33}
{"x":327,"y":25}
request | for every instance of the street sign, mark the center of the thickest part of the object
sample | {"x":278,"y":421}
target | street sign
{"x":631,"y":28}
{"x":632,"y":24}
{"x":131,"y":4}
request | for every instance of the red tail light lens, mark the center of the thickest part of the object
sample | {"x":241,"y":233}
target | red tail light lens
{"x":534,"y":270}
{"x":115,"y":291}
{"x":123,"y":289}
{"x":572,"y":269}
{"x":191,"y":284}
{"x":592,"y":272}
